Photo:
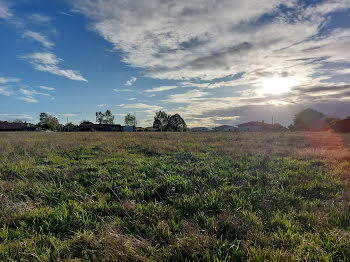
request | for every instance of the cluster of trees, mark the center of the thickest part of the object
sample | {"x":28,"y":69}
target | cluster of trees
{"x":105,"y":118}
{"x":312,"y":120}
{"x":162,"y":121}
{"x":130,"y":120}
{"x":108,"y":118}
{"x":48,"y":122}
{"x":165,"y":122}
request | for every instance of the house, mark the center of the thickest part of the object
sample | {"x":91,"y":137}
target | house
{"x":342,"y":125}
{"x":127,"y":128}
{"x":5,"y":126}
{"x":253,"y":126}
{"x":224,"y":128}
{"x":88,"y":126}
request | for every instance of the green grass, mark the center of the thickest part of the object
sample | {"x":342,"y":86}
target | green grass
{"x":172,"y":197}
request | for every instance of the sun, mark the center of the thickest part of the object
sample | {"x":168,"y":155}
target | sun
{"x":277,"y":85}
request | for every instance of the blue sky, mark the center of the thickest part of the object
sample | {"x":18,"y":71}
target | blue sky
{"x":214,"y":62}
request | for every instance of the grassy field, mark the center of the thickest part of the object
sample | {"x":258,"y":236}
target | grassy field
{"x":174,"y":197}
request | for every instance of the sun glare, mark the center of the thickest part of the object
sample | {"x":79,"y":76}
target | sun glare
{"x":277,"y":85}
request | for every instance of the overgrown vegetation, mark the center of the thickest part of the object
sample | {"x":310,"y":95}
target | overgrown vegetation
{"x":174,"y":197}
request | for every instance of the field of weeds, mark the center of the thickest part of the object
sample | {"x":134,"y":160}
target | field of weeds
{"x":174,"y":196}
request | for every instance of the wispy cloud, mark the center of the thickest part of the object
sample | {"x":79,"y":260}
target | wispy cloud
{"x":68,"y":115}
{"x":48,"y":62}
{"x":28,"y":99}
{"x":160,"y":89}
{"x":122,"y":90}
{"x":5,"y":80}
{"x":39,"y":38}
{"x":47,"y":88}
{"x":30,"y":95}
{"x":39,"y":18}
{"x":24,"y":117}
{"x":130,"y":81}
{"x":66,"y":14}
{"x":6,"y":91}
{"x":187,"y":97}
{"x":31,"y":92}
{"x":140,"y":107}
{"x":101,"y":105}
{"x":5,"y":12}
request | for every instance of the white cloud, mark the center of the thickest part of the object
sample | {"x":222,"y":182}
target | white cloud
{"x":327,"y":7}
{"x":122,"y":90}
{"x":219,"y":44}
{"x":160,"y":89}
{"x":47,"y":88}
{"x":29,"y":94}
{"x":68,"y":115}
{"x":28,"y":99}
{"x":140,"y":107}
{"x":165,"y":38}
{"x":39,"y":38}
{"x":24,"y":117}
{"x":132,"y":99}
{"x":223,"y":39}
{"x":39,"y":18}
{"x":187,"y":97}
{"x":6,"y":91}
{"x":5,"y":80}
{"x":130,"y":81}
{"x":5,"y":12}
{"x":48,"y":62}
{"x":101,"y":105}
{"x":66,"y":14}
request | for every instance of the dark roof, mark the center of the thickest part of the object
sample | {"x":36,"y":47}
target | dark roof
{"x":12,"y":126}
{"x":254,"y":123}
{"x":87,"y":126}
{"x":342,"y":125}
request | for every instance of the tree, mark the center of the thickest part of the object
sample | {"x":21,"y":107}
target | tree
{"x":99,"y":117}
{"x":291,"y":127}
{"x":105,"y":118}
{"x":48,"y":121}
{"x":69,"y":126}
{"x":161,"y":120}
{"x":310,"y":120}
{"x":130,"y":120}
{"x":44,"y":118}
{"x":108,"y":117}
{"x":176,"y":123}
{"x":17,"y":121}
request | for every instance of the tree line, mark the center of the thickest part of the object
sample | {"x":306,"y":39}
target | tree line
{"x":162,"y":121}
